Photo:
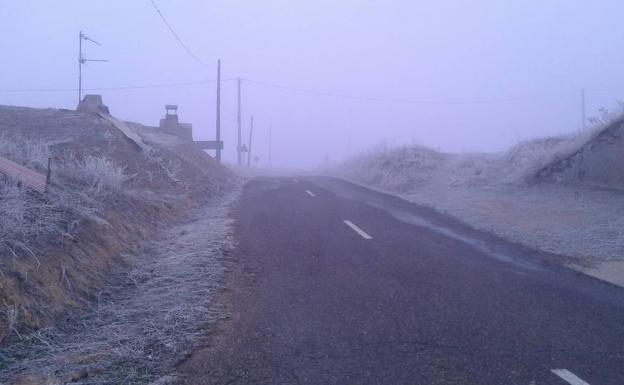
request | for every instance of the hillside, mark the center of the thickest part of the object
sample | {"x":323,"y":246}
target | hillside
{"x":596,"y":162}
{"x":564,"y":195}
{"x":107,"y":197}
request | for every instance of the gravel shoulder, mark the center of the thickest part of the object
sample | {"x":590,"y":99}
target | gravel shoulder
{"x":581,"y":222}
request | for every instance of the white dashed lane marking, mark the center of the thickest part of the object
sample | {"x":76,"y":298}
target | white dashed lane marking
{"x":357,"y":229}
{"x":569,"y":377}
{"x":296,"y":180}
{"x":310,"y":193}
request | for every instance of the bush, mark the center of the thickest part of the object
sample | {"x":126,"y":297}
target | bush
{"x":395,"y":168}
{"x":527,"y":158}
{"x":26,"y":216}
{"x":32,"y":154}
{"x":99,"y":174}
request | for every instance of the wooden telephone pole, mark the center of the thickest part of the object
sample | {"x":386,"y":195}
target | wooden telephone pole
{"x":250,"y":138}
{"x":583,"y":117}
{"x":218,"y":110}
{"x":238,"y":146}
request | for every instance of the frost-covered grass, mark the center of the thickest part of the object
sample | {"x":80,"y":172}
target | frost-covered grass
{"x":24,"y":218}
{"x":30,"y":221}
{"x":406,"y":168}
{"x":32,"y":154}
{"x":578,"y":222}
{"x":77,"y":186}
{"x":393,"y":167}
{"x":136,"y":332}
{"x":106,"y":195}
{"x":528,"y":157}
{"x":98,"y":174}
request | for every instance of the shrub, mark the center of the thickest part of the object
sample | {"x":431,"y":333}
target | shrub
{"x":394,"y":168}
{"x":99,"y":174}
{"x":26,"y":216}
{"x":32,"y":154}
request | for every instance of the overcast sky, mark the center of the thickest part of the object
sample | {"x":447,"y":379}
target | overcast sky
{"x":522,"y":62}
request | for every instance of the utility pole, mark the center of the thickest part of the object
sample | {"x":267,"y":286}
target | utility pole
{"x":219,"y":111}
{"x":250,"y":137}
{"x":583,"y":125}
{"x":238,"y":146}
{"x":82,"y":60}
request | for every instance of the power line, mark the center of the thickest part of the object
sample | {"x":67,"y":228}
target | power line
{"x":37,"y":90}
{"x":132,"y":87}
{"x":278,"y":86}
{"x":173,"y":32}
{"x":164,"y":85}
{"x":389,"y":100}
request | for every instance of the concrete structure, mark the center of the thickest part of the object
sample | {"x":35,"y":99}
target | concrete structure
{"x":171,"y":125}
{"x":93,"y":104}
{"x":127,"y":131}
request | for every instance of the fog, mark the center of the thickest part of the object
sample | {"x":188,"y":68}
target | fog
{"x":453,"y":75}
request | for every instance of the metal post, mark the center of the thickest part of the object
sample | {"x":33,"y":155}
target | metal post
{"x":250,"y":137}
{"x":238,"y":146}
{"x":48,"y":174}
{"x":219,"y":110}
{"x":80,"y":68}
{"x":270,"y":145}
{"x":584,"y":119}
{"x":82,"y":60}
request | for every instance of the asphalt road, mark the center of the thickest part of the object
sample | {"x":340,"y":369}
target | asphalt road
{"x":332,"y":283}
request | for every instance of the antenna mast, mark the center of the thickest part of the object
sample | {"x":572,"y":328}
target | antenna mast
{"x":82,"y":60}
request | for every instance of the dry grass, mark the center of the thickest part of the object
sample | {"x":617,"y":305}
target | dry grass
{"x":99,"y":175}
{"x":407,"y":168}
{"x":137,"y":331}
{"x":526,"y":158}
{"x":29,"y":219}
{"x":394,"y":168}
{"x":32,"y":154}
{"x":106,"y":196}
{"x":10,"y":316}
{"x":77,"y":186}
{"x":24,"y":215}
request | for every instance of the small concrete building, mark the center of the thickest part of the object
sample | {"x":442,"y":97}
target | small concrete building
{"x":171,"y":125}
{"x":93,"y":104}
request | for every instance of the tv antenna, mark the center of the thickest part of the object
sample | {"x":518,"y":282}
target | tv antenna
{"x":82,"y":60}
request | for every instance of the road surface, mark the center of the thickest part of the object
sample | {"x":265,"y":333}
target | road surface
{"x":332,"y":283}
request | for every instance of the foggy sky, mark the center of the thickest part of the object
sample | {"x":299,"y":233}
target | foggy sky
{"x":537,"y":53}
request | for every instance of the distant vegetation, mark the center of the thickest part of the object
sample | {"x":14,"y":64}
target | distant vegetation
{"x":409,"y":167}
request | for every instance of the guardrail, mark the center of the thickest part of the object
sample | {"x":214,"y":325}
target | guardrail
{"x":127,"y":131}
{"x":24,"y":175}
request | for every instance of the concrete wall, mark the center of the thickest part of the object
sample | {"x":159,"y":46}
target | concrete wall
{"x":170,"y":125}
